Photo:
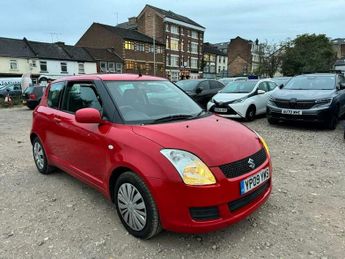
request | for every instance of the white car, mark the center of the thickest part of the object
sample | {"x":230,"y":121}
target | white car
{"x":227,"y":80}
{"x":242,"y":99}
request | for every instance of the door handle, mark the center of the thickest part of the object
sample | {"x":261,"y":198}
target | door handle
{"x":57,"y":120}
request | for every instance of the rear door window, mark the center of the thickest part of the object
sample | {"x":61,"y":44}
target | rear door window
{"x":54,"y":95}
{"x":216,"y":85}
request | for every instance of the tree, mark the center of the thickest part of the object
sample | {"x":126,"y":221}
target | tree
{"x":308,"y":53}
{"x":270,"y":59}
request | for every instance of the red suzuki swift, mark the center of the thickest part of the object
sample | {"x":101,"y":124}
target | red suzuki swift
{"x":153,"y":151}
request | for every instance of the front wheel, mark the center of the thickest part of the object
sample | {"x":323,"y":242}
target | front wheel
{"x":136,"y":207}
{"x":333,"y":121}
{"x":250,"y":114}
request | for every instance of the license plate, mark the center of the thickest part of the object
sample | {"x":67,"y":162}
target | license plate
{"x":24,"y":102}
{"x":255,"y":180}
{"x":220,"y":109}
{"x":292,"y":112}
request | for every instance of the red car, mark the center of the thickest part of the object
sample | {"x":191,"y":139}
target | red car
{"x":148,"y":147}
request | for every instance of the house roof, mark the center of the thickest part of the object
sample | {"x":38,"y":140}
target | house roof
{"x":129,"y":34}
{"x":15,"y":48}
{"x":104,"y":55}
{"x":175,"y":16}
{"x":76,"y":53}
{"x":210,"y":48}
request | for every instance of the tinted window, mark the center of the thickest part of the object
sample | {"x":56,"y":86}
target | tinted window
{"x":79,"y":96}
{"x":311,"y":83}
{"x":55,"y":94}
{"x":216,"y":85}
{"x":205,"y":85}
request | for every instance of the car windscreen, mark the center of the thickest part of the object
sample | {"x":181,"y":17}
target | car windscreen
{"x":145,"y":102}
{"x":311,"y":83}
{"x":187,"y":85}
{"x":239,"y":86}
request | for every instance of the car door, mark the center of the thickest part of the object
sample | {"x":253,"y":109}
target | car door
{"x":215,"y":87}
{"x":261,"y":99}
{"x":203,"y":97}
{"x":84,"y":146}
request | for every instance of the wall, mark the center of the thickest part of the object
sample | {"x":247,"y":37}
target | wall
{"x":54,"y":68}
{"x":23,"y":66}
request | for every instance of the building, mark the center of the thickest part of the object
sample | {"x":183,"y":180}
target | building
{"x":215,"y":62}
{"x":134,"y":48}
{"x":182,"y":37}
{"x":222,"y":46}
{"x":107,"y":60}
{"x":43,"y":61}
{"x":243,"y":56}
{"x":339,"y":47}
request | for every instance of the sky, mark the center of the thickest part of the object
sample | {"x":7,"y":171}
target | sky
{"x":268,"y":20}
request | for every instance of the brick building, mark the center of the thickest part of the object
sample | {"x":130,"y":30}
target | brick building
{"x":182,"y":37}
{"x":243,"y":57}
{"x":214,"y":62}
{"x":134,"y":48}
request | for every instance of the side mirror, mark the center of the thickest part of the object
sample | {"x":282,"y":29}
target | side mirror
{"x":199,"y":89}
{"x":281,"y":86}
{"x":261,"y":91}
{"x":88,"y":115}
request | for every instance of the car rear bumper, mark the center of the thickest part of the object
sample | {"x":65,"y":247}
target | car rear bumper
{"x":309,"y":115}
{"x":193,"y":209}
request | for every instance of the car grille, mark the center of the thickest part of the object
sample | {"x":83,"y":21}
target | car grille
{"x":204,"y":213}
{"x":287,"y":104}
{"x":241,"y":167}
{"x":242,"y":202}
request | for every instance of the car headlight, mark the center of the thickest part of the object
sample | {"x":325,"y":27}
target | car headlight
{"x":323,"y":101}
{"x":191,"y":169}
{"x":263,"y":142}
{"x":239,"y":100}
{"x":212,"y":100}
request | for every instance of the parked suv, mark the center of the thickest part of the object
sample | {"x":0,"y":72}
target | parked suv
{"x":313,"y":98}
{"x":155,"y":159}
{"x":32,"y":96}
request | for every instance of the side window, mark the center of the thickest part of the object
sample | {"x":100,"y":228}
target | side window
{"x":79,"y":96}
{"x":272,"y":85}
{"x":215,"y":85}
{"x":263,"y":86}
{"x":205,"y":85}
{"x":55,"y":94}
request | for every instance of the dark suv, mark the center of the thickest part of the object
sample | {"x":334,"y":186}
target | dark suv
{"x":313,"y":98}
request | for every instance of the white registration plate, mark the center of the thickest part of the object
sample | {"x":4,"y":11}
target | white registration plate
{"x":24,"y":102}
{"x":292,"y":112}
{"x":255,"y":180}
{"x":220,"y":109}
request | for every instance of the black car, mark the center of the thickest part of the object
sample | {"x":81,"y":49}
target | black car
{"x":12,"y":90}
{"x":201,"y":90}
{"x":32,"y":96}
{"x":312,"y":98}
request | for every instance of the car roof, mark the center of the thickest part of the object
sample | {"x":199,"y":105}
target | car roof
{"x":111,"y":77}
{"x":318,"y":74}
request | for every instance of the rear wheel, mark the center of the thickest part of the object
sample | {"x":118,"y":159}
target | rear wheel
{"x":136,"y":207}
{"x":40,"y":157}
{"x":250,"y":114}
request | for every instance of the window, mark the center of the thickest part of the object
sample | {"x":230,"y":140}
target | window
{"x":118,"y":67}
{"x":212,"y":69}
{"x":168,"y":61}
{"x":111,"y":67}
{"x":216,"y":85}
{"x":212,"y":58}
{"x":159,"y":49}
{"x":194,"y":62}
{"x":43,"y":66}
{"x":103,"y":67}
{"x":194,"y":47}
{"x":194,"y":34}
{"x":272,"y":85}
{"x":263,"y":86}
{"x":167,"y":27}
{"x":174,"y":44}
{"x":79,"y":96}
{"x":150,"y":48}
{"x":174,"y":60}
{"x":81,"y":69}
{"x":129,"y":64}
{"x":174,"y":29}
{"x":140,"y":47}
{"x":63,"y":67}
{"x":129,"y":45}
{"x":204,"y":85}
{"x":33,"y":63}
{"x":13,"y":65}
{"x":54,"y":95}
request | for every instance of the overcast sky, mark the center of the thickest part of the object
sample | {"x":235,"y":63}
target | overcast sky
{"x":272,"y":20}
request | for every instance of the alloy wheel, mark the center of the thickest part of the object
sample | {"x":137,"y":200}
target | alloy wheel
{"x":39,"y":155}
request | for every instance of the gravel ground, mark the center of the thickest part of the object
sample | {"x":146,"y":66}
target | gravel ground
{"x":56,"y":216}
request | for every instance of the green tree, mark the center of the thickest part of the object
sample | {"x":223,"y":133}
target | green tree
{"x":308,"y":53}
{"x":270,"y":59}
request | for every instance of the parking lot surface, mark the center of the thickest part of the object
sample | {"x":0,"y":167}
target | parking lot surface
{"x":57,"y":216}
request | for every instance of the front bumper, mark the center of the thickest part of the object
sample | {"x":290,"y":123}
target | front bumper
{"x":318,"y":115}
{"x":234,"y":110}
{"x":176,"y":201}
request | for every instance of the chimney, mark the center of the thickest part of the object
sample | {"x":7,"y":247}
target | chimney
{"x":60,"y":43}
{"x":132,"y":20}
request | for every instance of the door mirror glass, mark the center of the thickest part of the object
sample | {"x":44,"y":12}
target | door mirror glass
{"x":88,"y":115}
{"x":261,"y":91}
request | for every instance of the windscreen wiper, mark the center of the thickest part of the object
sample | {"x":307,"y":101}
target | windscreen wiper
{"x":173,"y":118}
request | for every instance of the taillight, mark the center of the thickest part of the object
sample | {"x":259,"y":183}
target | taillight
{"x":32,"y":96}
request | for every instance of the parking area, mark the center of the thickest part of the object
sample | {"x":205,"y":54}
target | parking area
{"x":57,"y":216}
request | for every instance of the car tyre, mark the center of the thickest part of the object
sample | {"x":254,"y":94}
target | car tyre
{"x":135,"y":206}
{"x":250,"y":114}
{"x":40,"y":157}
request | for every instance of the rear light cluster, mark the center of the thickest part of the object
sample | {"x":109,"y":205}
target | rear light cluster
{"x":32,"y":96}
